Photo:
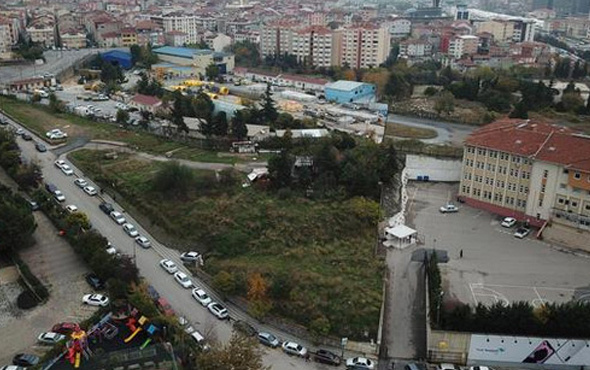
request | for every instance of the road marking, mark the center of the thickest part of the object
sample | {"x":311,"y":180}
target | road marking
{"x":473,"y":294}
{"x":537,"y":293}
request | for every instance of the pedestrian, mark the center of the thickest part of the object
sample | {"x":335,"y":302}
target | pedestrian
{"x":461,"y":253}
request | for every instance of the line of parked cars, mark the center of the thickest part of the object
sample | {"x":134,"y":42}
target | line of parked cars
{"x":520,"y":232}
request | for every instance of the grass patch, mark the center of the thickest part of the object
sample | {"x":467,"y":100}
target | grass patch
{"x":316,"y":257}
{"x":409,"y":132}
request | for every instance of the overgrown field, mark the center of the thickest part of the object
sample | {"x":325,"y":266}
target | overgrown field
{"x":310,"y":261}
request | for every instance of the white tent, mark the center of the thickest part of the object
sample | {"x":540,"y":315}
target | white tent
{"x":399,"y":236}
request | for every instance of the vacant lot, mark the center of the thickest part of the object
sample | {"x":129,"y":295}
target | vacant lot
{"x":316,"y":258}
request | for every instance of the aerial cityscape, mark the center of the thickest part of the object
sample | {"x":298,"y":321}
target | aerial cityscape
{"x":269,"y":184}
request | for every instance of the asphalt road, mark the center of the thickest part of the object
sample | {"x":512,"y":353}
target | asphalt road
{"x":447,"y":133}
{"x":147,"y":262}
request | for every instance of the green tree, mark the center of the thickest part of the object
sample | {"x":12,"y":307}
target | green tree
{"x":78,"y":221}
{"x":239,"y":130}
{"x":398,"y":87}
{"x":135,"y":51}
{"x":572,"y":102}
{"x":203,"y":107}
{"x":174,"y":179}
{"x":519,"y":111}
{"x":269,"y":111}
{"x":444,"y":103}
{"x":220,"y":125}
{"x":246,"y":54}
{"x":279,"y":170}
{"x":225,"y":282}
{"x":212,"y":71}
{"x":177,"y":116}
{"x":122,"y":117}
{"x":56,"y":105}
{"x":16,"y":221}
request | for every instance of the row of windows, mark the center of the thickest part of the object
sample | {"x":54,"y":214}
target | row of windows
{"x":573,"y":202}
{"x":498,"y":197}
{"x":495,"y":153}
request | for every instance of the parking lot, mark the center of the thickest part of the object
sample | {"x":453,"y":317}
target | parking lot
{"x":496,"y":266}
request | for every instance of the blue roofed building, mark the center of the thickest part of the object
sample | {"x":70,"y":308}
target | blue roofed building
{"x":197,"y":58}
{"x":350,"y":92}
{"x":118,"y":57}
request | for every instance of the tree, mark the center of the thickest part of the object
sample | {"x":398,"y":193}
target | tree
{"x":122,"y":117}
{"x":212,"y":71}
{"x":110,"y":73}
{"x":16,"y":221}
{"x":519,"y":111}
{"x":241,"y":353}
{"x":135,"y":51}
{"x":444,"y":103}
{"x":269,"y":111}
{"x":56,"y":105}
{"x":239,"y":130}
{"x":174,"y":179}
{"x":279,"y":170}
{"x":246,"y":54}
{"x":203,"y":106}
{"x":225,"y":282}
{"x":259,"y":304}
{"x":177,"y":113}
{"x":398,"y":87}
{"x":572,"y":102}
{"x":78,"y":221}
{"x":220,"y":125}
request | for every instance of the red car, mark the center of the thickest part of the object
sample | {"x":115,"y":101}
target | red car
{"x":65,"y":328}
{"x":165,"y":307}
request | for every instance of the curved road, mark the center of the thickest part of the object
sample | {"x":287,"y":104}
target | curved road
{"x":448,"y":133}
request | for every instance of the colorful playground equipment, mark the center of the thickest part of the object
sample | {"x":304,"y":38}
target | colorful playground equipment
{"x":135,"y":326}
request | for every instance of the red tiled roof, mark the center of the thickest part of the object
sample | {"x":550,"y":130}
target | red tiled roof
{"x":146,"y":100}
{"x":538,"y":140}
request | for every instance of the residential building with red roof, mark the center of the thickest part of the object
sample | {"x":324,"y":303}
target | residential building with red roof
{"x":533,"y":171}
{"x":146,"y":102}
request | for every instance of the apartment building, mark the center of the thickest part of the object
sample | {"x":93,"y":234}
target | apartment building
{"x":73,"y":39}
{"x":415,"y":48}
{"x":177,"y":22}
{"x":5,"y":39}
{"x":460,"y":46}
{"x":42,"y":34}
{"x":529,"y":170}
{"x":364,"y":46}
{"x":312,"y":45}
{"x":506,"y":31}
{"x":128,"y":36}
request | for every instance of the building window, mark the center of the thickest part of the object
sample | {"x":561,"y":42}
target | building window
{"x":574,"y":204}
{"x":560,"y":200}
{"x":545,"y":174}
{"x":577,"y":176}
{"x":587,"y":207}
{"x":542,"y":188}
{"x":566,"y":171}
{"x":562,"y":186}
{"x":541,"y":202}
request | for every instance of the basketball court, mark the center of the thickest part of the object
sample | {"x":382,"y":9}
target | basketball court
{"x":488,"y":294}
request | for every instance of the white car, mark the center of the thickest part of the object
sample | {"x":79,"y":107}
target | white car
{"x":360,"y":363}
{"x":143,"y":241}
{"x":118,"y":217}
{"x":111,"y":249}
{"x":183,"y":279}
{"x":449,"y":208}
{"x":60,"y":163}
{"x":189,"y":256}
{"x":50,"y":337}
{"x":12,"y":367}
{"x":292,"y":348}
{"x":480,"y":368}
{"x":218,"y":310}
{"x":522,"y":232}
{"x":71,"y":208}
{"x":90,"y":190}
{"x":130,"y":230}
{"x":59,"y":196}
{"x":446,"y":367}
{"x":508,"y":222}
{"x":201,"y":296}
{"x":67,"y":170}
{"x":168,"y":265}
{"x":81,"y":183}
{"x":95,"y":300}
{"x":56,"y":134}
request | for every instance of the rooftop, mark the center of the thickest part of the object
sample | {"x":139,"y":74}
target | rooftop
{"x":181,"y":52}
{"x":344,"y":85}
{"x":146,"y":100}
{"x":538,"y":140}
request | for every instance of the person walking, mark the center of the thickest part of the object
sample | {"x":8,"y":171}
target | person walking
{"x":461,"y":253}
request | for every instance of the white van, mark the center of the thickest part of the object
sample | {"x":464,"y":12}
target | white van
{"x":200,"y":340}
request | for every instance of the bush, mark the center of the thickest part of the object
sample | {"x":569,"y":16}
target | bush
{"x":26,"y":300}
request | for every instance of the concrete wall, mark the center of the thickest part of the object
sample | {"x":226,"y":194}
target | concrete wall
{"x":437,"y":169}
{"x":448,"y":346}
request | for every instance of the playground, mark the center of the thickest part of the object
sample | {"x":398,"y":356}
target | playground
{"x":121,"y":339}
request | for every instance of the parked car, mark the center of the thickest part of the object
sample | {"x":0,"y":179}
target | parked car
{"x":110,"y":249}
{"x":201,"y":296}
{"x":522,"y":232}
{"x":118,"y":217}
{"x":164,"y":306}
{"x":19,"y":132}
{"x":200,"y":340}
{"x":71,"y":208}
{"x":143,"y":242}
{"x":294,"y":349}
{"x":326,"y":357}
{"x":95,"y":300}
{"x":59,"y":196}
{"x":106,"y":207}
{"x":25,"y":359}
{"x":94,"y":281}
{"x":59,"y":163}
{"x":508,"y":222}
{"x":67,"y":170}
{"x":244,"y":328}
{"x":81,"y":183}
{"x":27,"y":137}
{"x":34,"y":205}
{"x":445,"y":367}
{"x":268,"y":340}
{"x":130,"y":230}
{"x":168,"y":265}
{"x":41,"y":148}
{"x":183,"y":279}
{"x":449,"y":208}
{"x":65,"y":328}
{"x":50,"y":338}
{"x":12,"y":367}
{"x":360,"y":363}
{"x":90,"y":190}
{"x":189,"y":256}
{"x":480,"y":368}
{"x":218,"y":310}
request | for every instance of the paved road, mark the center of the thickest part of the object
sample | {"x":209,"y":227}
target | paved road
{"x":147,"y":261}
{"x":56,"y":62}
{"x":447,"y":133}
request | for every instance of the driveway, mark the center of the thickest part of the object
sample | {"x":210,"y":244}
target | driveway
{"x":54,"y":262}
{"x":447,"y":133}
